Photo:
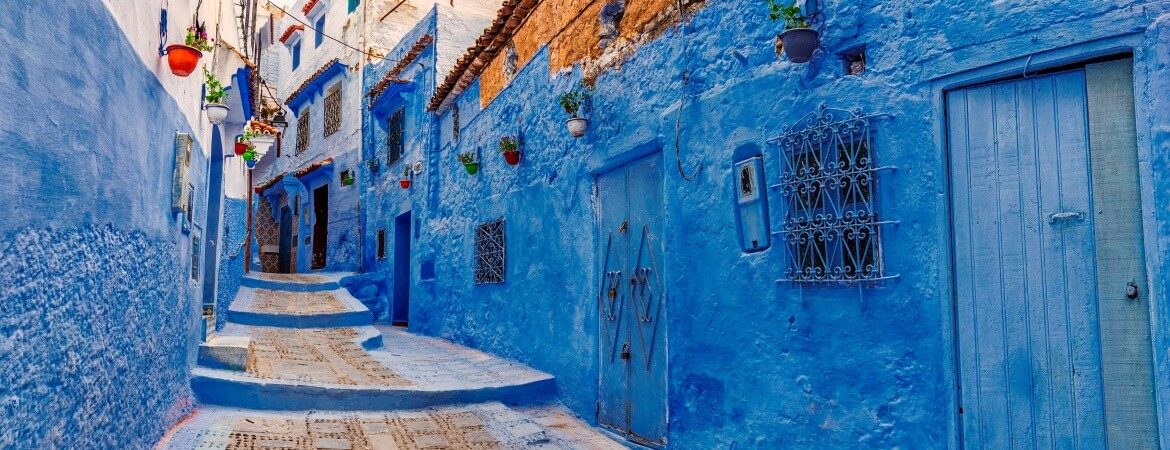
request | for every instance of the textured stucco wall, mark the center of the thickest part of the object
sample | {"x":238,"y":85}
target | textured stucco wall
{"x":231,"y":256}
{"x":98,"y":319}
{"x":754,"y":363}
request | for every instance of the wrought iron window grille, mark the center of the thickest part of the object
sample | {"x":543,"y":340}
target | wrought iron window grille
{"x":828,"y":181}
{"x":489,"y":252}
{"x":303,"y":132}
{"x":396,"y":136}
{"x":333,"y":110}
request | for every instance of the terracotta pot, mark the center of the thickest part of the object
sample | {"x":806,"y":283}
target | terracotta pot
{"x":216,"y":113}
{"x":513,"y":158}
{"x":472,"y":168}
{"x":241,"y":147}
{"x":404,"y":183}
{"x":800,"y":43}
{"x":183,"y":59}
{"x":577,"y":126}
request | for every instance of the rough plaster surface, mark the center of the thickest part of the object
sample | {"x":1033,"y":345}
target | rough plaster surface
{"x":98,"y":319}
{"x":231,"y":256}
{"x":841,"y":367}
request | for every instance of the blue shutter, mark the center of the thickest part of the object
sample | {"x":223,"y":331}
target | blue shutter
{"x":320,"y":30}
{"x":353,"y":4}
{"x":296,"y":55}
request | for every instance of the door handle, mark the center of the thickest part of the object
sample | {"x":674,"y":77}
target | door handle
{"x":1066,"y":216}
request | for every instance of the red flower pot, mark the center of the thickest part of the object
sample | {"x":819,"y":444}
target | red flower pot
{"x":513,"y":158}
{"x":182,"y":59}
{"x":404,"y":183}
{"x":241,"y":147}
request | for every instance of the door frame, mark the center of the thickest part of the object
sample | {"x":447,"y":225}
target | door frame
{"x":321,"y":242}
{"x":1134,"y":44}
{"x":601,"y":167}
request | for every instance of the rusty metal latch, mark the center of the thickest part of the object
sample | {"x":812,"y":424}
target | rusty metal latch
{"x":625,"y":226}
{"x":626,"y":350}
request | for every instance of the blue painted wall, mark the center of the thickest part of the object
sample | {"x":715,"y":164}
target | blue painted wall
{"x":754,"y":363}
{"x":231,"y":257}
{"x":98,"y":318}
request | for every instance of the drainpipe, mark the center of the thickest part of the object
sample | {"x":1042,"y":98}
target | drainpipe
{"x":248,"y":233}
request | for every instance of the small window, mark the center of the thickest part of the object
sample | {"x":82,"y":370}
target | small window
{"x":489,"y":252}
{"x":455,"y":123}
{"x":195,"y":256}
{"x":333,"y":110}
{"x":381,"y":243}
{"x":395,"y":139}
{"x":303,"y":132}
{"x":353,"y":4}
{"x":296,"y":55}
{"x":346,"y":178}
{"x":320,"y":31}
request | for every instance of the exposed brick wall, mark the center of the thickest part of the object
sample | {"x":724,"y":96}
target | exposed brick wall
{"x":571,"y":29}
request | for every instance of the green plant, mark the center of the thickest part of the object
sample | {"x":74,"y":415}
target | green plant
{"x":373,"y":165}
{"x":509,"y":144}
{"x":215,"y":89}
{"x":791,"y":14}
{"x":571,"y":101}
{"x":466,"y":158}
{"x":346,"y":178}
{"x":197,"y":38}
{"x":406,"y":172}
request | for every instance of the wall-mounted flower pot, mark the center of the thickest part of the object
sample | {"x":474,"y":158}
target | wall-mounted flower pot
{"x":241,"y":147}
{"x":251,"y":163}
{"x":472,"y":168}
{"x":216,"y":113}
{"x":512,"y":158}
{"x":405,"y":183}
{"x":799,"y":43}
{"x":577,"y":126}
{"x":182,"y":59}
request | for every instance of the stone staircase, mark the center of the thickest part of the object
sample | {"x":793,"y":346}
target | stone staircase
{"x":299,"y":348}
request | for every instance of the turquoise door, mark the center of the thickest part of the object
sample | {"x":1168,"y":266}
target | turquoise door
{"x":1030,"y":372}
{"x":631,"y":303}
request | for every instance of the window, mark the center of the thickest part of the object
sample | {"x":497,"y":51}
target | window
{"x":320,"y":26}
{"x":395,"y":139}
{"x":381,"y":243}
{"x":296,"y":55}
{"x":346,"y":178}
{"x":489,"y":252}
{"x":831,"y":224}
{"x":303,"y":131}
{"x":455,"y":123}
{"x":353,"y":4}
{"x":180,"y":189}
{"x":195,"y":256}
{"x":333,"y":110}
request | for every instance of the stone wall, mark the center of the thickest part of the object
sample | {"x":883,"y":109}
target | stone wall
{"x":754,"y":363}
{"x":98,"y":324}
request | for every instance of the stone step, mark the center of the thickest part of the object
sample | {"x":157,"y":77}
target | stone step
{"x":483,"y":425}
{"x":335,"y":369}
{"x":298,"y":309}
{"x":295,"y":282}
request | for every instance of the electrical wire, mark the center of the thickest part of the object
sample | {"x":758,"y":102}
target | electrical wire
{"x":363,"y":52}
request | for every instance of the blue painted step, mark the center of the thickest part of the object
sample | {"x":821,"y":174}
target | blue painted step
{"x":295,"y":282}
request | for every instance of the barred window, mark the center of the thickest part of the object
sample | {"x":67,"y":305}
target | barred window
{"x":489,"y":252}
{"x":831,"y":223}
{"x":303,"y":131}
{"x":395,"y":139}
{"x":381,"y":243}
{"x":333,"y":110}
{"x":455,"y":123}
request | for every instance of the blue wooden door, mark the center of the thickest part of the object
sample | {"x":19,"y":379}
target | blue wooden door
{"x":631,"y":303}
{"x":1025,"y":294}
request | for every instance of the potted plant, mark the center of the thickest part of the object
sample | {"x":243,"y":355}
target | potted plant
{"x":216,"y":111}
{"x":373,"y":165}
{"x":406,"y":176}
{"x":250,"y":157}
{"x":798,"y":41}
{"x":182,"y":58}
{"x":510,"y":148}
{"x":571,"y":102}
{"x":346,"y":178}
{"x":469,"y":162}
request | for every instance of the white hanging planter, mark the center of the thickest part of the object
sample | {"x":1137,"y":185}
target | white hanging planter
{"x":216,"y":113}
{"x":577,"y":126}
{"x":263,"y":143}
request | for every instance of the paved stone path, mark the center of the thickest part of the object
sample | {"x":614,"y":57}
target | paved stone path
{"x":413,"y":392}
{"x":482,"y":426}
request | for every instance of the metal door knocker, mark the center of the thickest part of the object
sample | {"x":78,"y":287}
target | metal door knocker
{"x":1131,"y":291}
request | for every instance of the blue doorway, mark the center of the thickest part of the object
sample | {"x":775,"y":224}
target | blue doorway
{"x":284,"y":258}
{"x":632,"y":398}
{"x":1051,"y":352}
{"x":400,"y":313}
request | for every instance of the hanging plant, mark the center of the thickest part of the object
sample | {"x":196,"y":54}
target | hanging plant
{"x":407,"y":174}
{"x":373,"y":165}
{"x":510,"y":148}
{"x":216,"y":111}
{"x":182,"y":58}
{"x":469,"y":162}
{"x":798,"y":41}
{"x":572,"y":102}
